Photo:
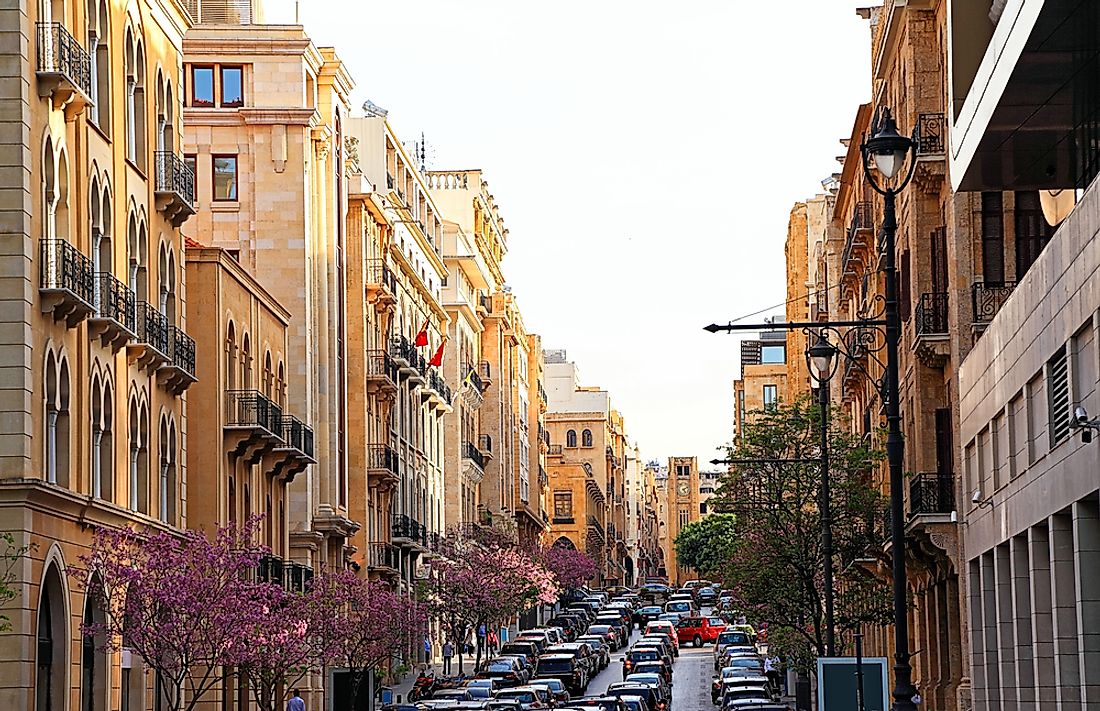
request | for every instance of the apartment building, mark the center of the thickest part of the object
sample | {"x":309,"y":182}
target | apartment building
{"x":98,"y":359}
{"x":763,"y":382}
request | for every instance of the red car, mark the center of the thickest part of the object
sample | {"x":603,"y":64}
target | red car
{"x":699,"y":630}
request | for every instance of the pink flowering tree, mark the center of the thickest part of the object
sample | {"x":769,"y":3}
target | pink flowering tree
{"x":475,"y":585}
{"x":278,"y":649}
{"x":360,"y":625}
{"x":571,"y":567}
{"x":180,"y":601}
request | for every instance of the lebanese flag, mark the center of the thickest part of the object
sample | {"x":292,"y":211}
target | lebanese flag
{"x":437,"y":359}
{"x":422,"y":337}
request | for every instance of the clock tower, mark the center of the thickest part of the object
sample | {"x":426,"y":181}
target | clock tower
{"x":683,"y":508}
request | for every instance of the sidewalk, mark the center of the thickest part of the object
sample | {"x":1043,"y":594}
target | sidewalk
{"x":405,"y":685}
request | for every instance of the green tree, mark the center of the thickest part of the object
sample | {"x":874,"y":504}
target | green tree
{"x":11,"y":554}
{"x":774,"y":566}
{"x":705,"y":545}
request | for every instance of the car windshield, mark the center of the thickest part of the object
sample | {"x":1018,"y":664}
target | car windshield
{"x":554,"y":684}
{"x":645,"y":655}
{"x":500,"y":666}
{"x":555,"y":665}
{"x":480,"y":692}
{"x":525,"y":697}
{"x":735,"y":694}
{"x":746,"y":663}
{"x":735,"y":639}
{"x":647,"y":678}
{"x":650,"y":668}
{"x":600,"y":629}
{"x":680,"y":606}
{"x":654,"y":610}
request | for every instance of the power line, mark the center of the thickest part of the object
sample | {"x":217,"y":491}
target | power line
{"x":807,"y":295}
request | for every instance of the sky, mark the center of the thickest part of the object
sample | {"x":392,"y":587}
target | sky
{"x":645,"y":156}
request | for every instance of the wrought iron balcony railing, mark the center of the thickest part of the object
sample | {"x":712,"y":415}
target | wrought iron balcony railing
{"x":115,"y":301}
{"x":383,"y":555}
{"x":595,"y":525}
{"x":298,"y":577}
{"x":474,"y":378}
{"x":251,"y":408}
{"x":931,"y":314}
{"x":152,"y":329}
{"x":471,"y":452}
{"x":486,"y":302}
{"x":930,"y":134}
{"x":382,"y":457}
{"x":60,"y":54}
{"x":988,"y":298}
{"x":175,"y":187}
{"x":270,"y":569}
{"x":297,"y":435}
{"x":931,"y":493}
{"x":181,"y":350}
{"x":542,"y":393}
{"x":381,"y":365}
{"x":65,"y":268}
{"x":379,"y":273}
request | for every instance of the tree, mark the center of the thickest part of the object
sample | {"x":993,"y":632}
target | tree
{"x":182,"y":602}
{"x":360,"y":625}
{"x":281,"y":647}
{"x":774,"y":564}
{"x":704,"y":545}
{"x":570,"y":567}
{"x":11,"y":554}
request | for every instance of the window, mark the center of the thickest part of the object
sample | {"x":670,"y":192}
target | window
{"x":563,"y":504}
{"x":202,"y":86}
{"x":993,"y":228}
{"x":771,"y":397}
{"x":586,"y":438}
{"x":571,"y":438}
{"x":1036,"y":423}
{"x":57,"y":419}
{"x":773,"y":354}
{"x":225,"y":178}
{"x":1058,"y":397}
{"x":1032,"y":231}
{"x":232,"y":93}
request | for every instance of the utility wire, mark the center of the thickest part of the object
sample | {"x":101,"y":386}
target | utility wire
{"x":797,"y":298}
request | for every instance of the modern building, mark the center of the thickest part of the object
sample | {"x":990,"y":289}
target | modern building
{"x":97,"y":357}
{"x":1024,"y":122}
{"x":763,"y":382}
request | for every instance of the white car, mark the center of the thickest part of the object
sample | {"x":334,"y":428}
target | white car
{"x":740,"y":697}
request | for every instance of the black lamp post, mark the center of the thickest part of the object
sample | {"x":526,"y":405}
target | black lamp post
{"x":888,"y":149}
{"x":821,"y":357}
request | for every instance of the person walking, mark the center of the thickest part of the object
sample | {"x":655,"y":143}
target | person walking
{"x":296,"y":703}
{"x":771,"y":670}
{"x":448,"y":652}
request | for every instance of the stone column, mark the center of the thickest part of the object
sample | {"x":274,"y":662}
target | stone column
{"x":1063,"y":575}
{"x":1086,"y":549}
{"x":993,"y":691}
{"x":1042,"y":621}
{"x":1006,"y":627}
{"x":1021,"y":601}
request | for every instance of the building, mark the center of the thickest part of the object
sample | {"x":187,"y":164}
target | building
{"x":763,"y":381}
{"x":681,"y":508}
{"x":1028,"y":510}
{"x":98,"y":359}
{"x":708,"y":485}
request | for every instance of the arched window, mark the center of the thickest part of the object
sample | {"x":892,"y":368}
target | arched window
{"x":246,"y":364}
{"x":49,"y":190}
{"x":107,"y":444}
{"x":167,"y":279}
{"x":61,"y":207}
{"x":51,"y":656}
{"x":102,"y":251}
{"x":571,"y":438}
{"x":99,"y":45}
{"x":56,"y":412}
{"x":586,"y":438}
{"x":268,"y":379}
{"x":167,"y":509}
{"x":93,"y":658}
{"x":131,"y":82}
{"x":135,"y":248}
{"x":232,"y":500}
{"x":97,"y":437}
{"x":230,"y":357}
{"x":280,"y":387}
{"x":139,"y":455}
{"x":165,"y":139}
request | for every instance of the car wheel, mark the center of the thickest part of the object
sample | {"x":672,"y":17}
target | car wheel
{"x":697,"y":641}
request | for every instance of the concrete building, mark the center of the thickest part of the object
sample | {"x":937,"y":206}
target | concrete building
{"x":708,"y":485}
{"x":763,"y":381}
{"x":97,"y":358}
{"x":1030,"y":504}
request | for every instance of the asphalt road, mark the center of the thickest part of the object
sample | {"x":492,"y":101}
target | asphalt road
{"x":691,"y":677}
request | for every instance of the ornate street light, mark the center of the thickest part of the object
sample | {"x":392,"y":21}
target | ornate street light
{"x":821,"y":359}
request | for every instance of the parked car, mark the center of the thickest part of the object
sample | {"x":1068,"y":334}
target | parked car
{"x":529,"y":697}
{"x":653,"y":667}
{"x":581,"y":652}
{"x":507,"y":669}
{"x":733,"y":698}
{"x":564,"y":667}
{"x":650,"y":692}
{"x":503,"y":705}
{"x":622,"y":627}
{"x":655,"y":591}
{"x":635,"y":703}
{"x":608,"y":632}
{"x":754,"y":665}
{"x":665,"y":628}
{"x":557,"y":688}
{"x":649,"y":613}
{"x":662,"y":646}
{"x":523,"y":647}
{"x":599,"y":647}
{"x":599,"y":703}
{"x":699,"y":630}
{"x":730,"y":674}
{"x":637,"y":655}
{"x":706,"y":596}
{"x":683,"y":607}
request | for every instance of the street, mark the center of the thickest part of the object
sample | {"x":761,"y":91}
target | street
{"x":691,"y":677}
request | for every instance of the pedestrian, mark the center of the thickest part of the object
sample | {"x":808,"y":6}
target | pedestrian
{"x":448,"y":652}
{"x":296,"y":703}
{"x":427,"y":650}
{"x":771,"y":670}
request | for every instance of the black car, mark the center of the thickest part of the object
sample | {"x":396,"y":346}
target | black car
{"x":525,"y":647}
{"x":706,"y":596}
{"x":507,"y":670}
{"x":581,"y":652}
{"x":568,"y":625}
{"x":638,"y":655}
{"x":650,"y":693}
{"x":604,"y":703}
{"x":564,"y":667}
{"x":649,"y":613}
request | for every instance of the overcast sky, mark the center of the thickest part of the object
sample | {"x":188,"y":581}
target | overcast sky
{"x":645,"y":156}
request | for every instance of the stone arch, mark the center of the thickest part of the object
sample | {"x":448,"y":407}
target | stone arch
{"x":52,"y":636}
{"x":565,"y":542}
{"x":94,"y":660}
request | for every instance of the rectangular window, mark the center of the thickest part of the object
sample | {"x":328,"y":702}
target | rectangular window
{"x":1000,"y":451}
{"x":563,"y":504}
{"x":1032,"y":231}
{"x":202,"y":86}
{"x":771,"y":397}
{"x":1058,"y":397}
{"x":192,"y":162}
{"x":773,"y":354}
{"x":993,"y":231}
{"x":232,"y":81}
{"x":1085,"y":370}
{"x":225,"y":177}
{"x":1017,"y":435}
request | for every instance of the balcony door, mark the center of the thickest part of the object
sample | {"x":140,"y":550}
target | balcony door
{"x":1032,"y":231}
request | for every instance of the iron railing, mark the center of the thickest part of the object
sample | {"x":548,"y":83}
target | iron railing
{"x":542,"y":393}
{"x":863,"y":216}
{"x":595,"y":525}
{"x":175,"y":176}
{"x":382,"y":456}
{"x":474,"y":378}
{"x":485,"y":443}
{"x":297,"y":435}
{"x":930,"y":134}
{"x":404,"y":526}
{"x":64,"y":267}
{"x":555,"y":449}
{"x":389,"y":180}
{"x":544,"y":435}
{"x":471,"y":452}
{"x":181,"y":350}
{"x":152,"y":328}
{"x":114,"y":300}
{"x":270,"y":569}
{"x":251,"y":408}
{"x":383,"y":555}
{"x":988,"y":298}
{"x":437,"y":383}
{"x":931,"y":313}
{"x":60,"y":53}
{"x":931,"y":493}
{"x":381,"y":364}
{"x":379,"y":273}
{"x":298,"y":577}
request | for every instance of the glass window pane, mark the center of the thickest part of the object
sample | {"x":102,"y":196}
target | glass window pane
{"x":202,"y":86}
{"x":225,"y":177}
{"x":232,"y":91}
{"x":773,"y":354}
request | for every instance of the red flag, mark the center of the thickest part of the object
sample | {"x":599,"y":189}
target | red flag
{"x":422,"y":337}
{"x":437,"y":359}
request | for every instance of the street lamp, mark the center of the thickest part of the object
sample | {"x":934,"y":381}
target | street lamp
{"x":821,"y":357}
{"x":887,"y":149}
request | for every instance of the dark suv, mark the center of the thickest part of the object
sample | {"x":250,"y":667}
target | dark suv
{"x":564,"y":667}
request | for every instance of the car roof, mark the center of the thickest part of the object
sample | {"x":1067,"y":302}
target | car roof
{"x":555,"y":655}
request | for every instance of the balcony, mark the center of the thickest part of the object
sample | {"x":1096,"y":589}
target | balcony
{"x":114,"y":321}
{"x":931,"y":497}
{"x":542,"y":395}
{"x":485,"y":444}
{"x":382,"y":467}
{"x":436,"y":391}
{"x":473,"y":462}
{"x":67,"y":288}
{"x":485,"y":370}
{"x":930,"y":135}
{"x":554,"y":450}
{"x":856,"y":254}
{"x":594,"y":527}
{"x":987,"y":299}
{"x":399,"y":350}
{"x":381,"y":285}
{"x":253,"y":424}
{"x":381,"y":374}
{"x":294,"y":454}
{"x":473,"y":377}
{"x":297,"y":577}
{"x":175,"y":187}
{"x":64,"y":69}
{"x":406,"y":531}
{"x":270,"y":569}
{"x":484,"y":304}
{"x":383,"y":559}
{"x":544,"y":438}
{"x":179,"y":372}
{"x":931,"y":342}
{"x":150,"y":348}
